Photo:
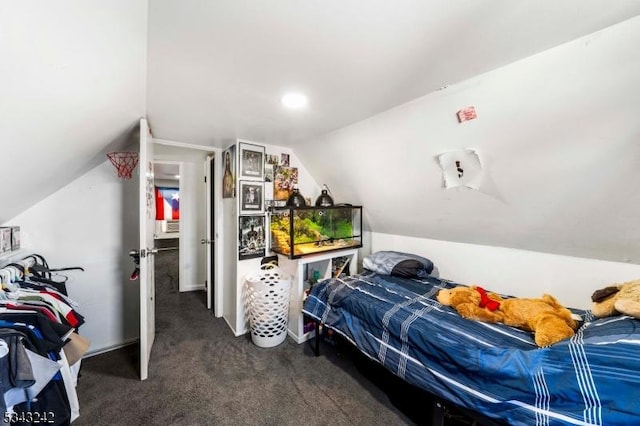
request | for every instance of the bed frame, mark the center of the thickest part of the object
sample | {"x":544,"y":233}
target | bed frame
{"x":495,"y":372}
{"x":439,"y":407}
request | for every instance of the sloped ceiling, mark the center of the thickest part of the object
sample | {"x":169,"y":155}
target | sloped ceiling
{"x":76,"y":76}
{"x":217,"y":69}
{"x":556,"y":129}
{"x":559,"y":139}
{"x":72,"y":86}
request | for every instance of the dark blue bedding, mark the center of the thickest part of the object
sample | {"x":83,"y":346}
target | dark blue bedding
{"x":592,"y":378}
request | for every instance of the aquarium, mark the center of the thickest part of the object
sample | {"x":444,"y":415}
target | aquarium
{"x":300,"y":231}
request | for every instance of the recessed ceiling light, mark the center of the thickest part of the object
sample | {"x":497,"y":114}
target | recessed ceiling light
{"x":294,"y":100}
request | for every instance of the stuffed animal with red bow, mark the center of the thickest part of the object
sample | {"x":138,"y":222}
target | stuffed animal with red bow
{"x":545,"y":317}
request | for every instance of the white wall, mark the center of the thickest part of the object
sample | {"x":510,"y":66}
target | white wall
{"x":521,"y":273}
{"x":228,"y":245}
{"x":93,"y":223}
{"x":558,"y":133}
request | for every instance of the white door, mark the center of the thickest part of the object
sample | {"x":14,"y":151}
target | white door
{"x":209,"y":239}
{"x":147,"y":267}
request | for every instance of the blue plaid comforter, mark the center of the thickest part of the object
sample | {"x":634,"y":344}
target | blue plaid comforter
{"x":590,"y":379}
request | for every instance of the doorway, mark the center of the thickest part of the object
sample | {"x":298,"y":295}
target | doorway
{"x":167,"y":226}
{"x":198,"y":220}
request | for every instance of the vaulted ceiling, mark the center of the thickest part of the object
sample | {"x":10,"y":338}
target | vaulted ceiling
{"x":217,"y":69}
{"x":72,"y":87}
{"x":76,"y":76}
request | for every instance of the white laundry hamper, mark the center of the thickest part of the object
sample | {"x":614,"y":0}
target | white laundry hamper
{"x":268,"y":292}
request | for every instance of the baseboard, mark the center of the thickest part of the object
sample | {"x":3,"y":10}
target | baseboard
{"x":128,"y":342}
{"x":193,"y":287}
{"x":235,"y":333}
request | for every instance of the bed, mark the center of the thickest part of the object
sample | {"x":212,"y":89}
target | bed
{"x":492,"y":369}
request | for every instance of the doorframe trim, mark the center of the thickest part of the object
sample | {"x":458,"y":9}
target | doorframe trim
{"x":218,"y":288}
{"x":186,"y":145}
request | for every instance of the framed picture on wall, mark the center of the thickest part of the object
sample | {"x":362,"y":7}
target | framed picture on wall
{"x":252,"y":240}
{"x":229,"y":172}
{"x":251,"y":161}
{"x":251,"y":197}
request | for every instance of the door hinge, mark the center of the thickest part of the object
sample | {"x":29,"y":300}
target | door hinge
{"x":205,"y":179}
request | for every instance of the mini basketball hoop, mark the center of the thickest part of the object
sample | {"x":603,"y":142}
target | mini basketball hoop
{"x":124,"y":162}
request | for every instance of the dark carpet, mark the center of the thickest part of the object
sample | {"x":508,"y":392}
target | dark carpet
{"x":200,"y":374}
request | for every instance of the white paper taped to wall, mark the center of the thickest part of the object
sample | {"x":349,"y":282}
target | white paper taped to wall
{"x":461,"y":167}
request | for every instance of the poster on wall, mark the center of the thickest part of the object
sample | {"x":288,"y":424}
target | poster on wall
{"x":252,"y":197}
{"x":268,"y":172}
{"x":284,"y":179}
{"x":272,"y":159}
{"x":229,"y":174}
{"x":461,"y":167}
{"x":268,"y":186}
{"x":251,"y":237}
{"x":251,"y":161}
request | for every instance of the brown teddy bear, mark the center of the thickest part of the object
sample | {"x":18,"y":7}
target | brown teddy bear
{"x":617,"y":299}
{"x":546,"y":317}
